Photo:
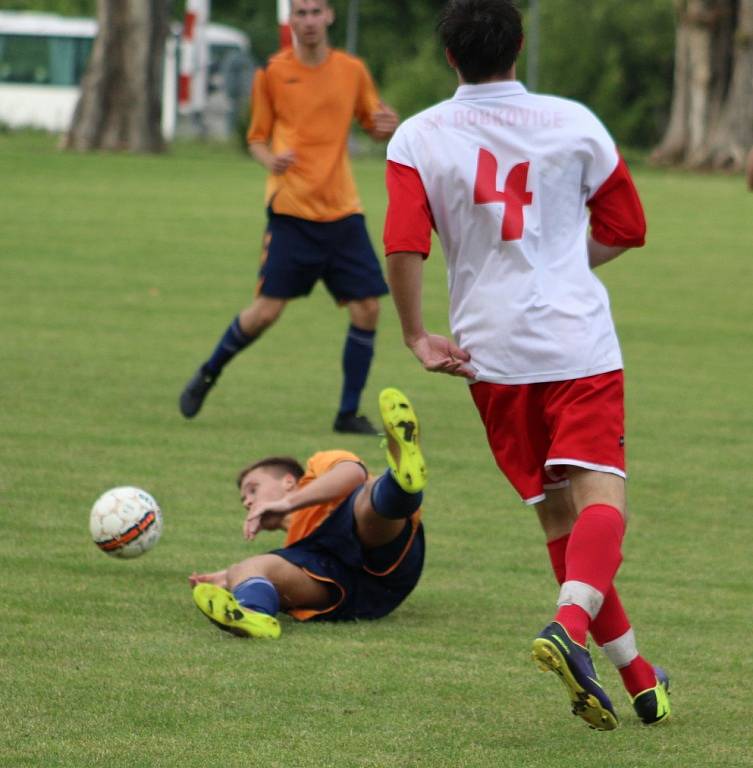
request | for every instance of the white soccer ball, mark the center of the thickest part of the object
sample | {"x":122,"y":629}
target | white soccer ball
{"x":125,"y":522}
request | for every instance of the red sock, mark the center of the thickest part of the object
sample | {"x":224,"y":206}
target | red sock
{"x":573,"y":618}
{"x":610,"y":623}
{"x":638,"y":676}
{"x":592,"y":557}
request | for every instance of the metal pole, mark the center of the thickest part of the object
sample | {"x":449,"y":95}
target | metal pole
{"x":534,"y":25}
{"x":351,"y":43}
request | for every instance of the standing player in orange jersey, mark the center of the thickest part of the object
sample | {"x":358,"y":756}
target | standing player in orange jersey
{"x":302,"y":109}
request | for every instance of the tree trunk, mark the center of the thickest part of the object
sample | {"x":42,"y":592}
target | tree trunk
{"x":120,"y":107}
{"x":711,"y":122}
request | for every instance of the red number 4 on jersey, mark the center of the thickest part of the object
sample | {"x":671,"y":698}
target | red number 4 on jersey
{"x":515,"y":195}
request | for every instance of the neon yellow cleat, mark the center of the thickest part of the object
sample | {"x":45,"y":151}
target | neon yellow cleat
{"x":403,"y":452}
{"x":222,"y":609}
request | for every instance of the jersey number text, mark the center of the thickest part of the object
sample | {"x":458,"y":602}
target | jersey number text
{"x":514,"y":196}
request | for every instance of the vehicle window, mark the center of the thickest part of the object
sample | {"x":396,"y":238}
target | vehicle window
{"x":40,"y":60}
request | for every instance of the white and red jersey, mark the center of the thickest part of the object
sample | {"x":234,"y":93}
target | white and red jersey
{"x":507,"y":178}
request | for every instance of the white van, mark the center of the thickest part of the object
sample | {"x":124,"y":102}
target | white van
{"x":43,"y":58}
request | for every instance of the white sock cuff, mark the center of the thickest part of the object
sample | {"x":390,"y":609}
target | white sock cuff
{"x":583,"y":595}
{"x":622,"y":650}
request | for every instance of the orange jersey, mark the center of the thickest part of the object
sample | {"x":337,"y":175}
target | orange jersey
{"x":310,"y":110}
{"x":307,"y":519}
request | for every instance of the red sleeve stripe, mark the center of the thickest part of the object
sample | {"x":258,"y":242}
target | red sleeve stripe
{"x":409,"y":221}
{"x":617,"y":217}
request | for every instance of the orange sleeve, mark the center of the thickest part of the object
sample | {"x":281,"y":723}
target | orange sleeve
{"x":367,"y":99}
{"x":322,"y":461}
{"x":262,"y":113}
{"x":307,"y":519}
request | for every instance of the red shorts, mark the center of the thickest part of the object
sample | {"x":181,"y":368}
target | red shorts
{"x":536,"y":431}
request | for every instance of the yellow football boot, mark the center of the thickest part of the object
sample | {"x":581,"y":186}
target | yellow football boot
{"x":403,"y":451}
{"x":222,"y":609}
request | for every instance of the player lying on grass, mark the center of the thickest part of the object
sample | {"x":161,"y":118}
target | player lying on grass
{"x":355,"y":544}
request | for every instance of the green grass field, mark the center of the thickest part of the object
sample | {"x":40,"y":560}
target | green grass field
{"x":117,"y":275}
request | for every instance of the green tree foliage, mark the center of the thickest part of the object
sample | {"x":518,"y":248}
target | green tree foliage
{"x":64,"y":7}
{"x":615,"y":56}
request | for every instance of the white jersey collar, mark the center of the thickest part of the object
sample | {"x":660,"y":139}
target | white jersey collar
{"x":498,"y":88}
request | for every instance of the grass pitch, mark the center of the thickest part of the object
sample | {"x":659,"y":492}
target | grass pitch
{"x":118,"y":273}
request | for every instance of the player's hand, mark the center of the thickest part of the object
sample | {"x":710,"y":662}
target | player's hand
{"x":218,"y":578}
{"x":280,"y":163}
{"x":265,"y":516}
{"x":385,"y":122}
{"x":440,"y":355}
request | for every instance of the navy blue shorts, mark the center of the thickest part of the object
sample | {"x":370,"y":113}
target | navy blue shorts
{"x":298,"y":252}
{"x":364,"y":584}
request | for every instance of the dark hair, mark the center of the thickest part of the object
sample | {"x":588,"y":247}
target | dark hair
{"x":279,"y":465}
{"x":483,"y":36}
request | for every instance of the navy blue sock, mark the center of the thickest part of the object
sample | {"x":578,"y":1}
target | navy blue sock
{"x":258,"y":594}
{"x":357,"y":355}
{"x":391,"y":501}
{"x":232,"y":342}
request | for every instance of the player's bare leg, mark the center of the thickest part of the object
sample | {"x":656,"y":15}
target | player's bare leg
{"x":256,"y":589}
{"x":358,"y":353}
{"x":364,"y":313}
{"x":296,"y":589}
{"x":261,"y":314}
{"x":372,"y":529}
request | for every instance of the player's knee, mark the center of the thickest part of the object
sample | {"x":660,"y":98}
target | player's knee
{"x":365,"y":313}
{"x":260,"y":315}
{"x":246,"y":569}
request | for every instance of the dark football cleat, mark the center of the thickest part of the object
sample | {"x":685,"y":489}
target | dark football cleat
{"x":192,"y":397}
{"x":349,"y":423}
{"x":652,"y":705}
{"x":554,"y":650}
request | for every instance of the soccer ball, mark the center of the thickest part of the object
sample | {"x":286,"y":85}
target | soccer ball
{"x":125,"y":522}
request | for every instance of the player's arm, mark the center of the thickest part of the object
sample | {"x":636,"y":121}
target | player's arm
{"x":378,"y":119}
{"x":335,"y":483}
{"x":407,"y":241}
{"x":275,"y":164}
{"x":617,"y":219}
{"x":385,"y":121}
{"x":340,"y":481}
{"x":260,"y":129}
{"x":436,"y":353}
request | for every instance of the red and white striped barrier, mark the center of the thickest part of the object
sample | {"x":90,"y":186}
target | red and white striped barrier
{"x":283,"y":22}
{"x":194,"y":58}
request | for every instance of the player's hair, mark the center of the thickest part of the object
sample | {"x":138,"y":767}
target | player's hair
{"x":278,"y":465}
{"x":483,"y":36}
{"x":325,"y":3}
